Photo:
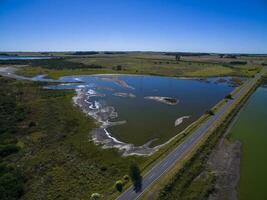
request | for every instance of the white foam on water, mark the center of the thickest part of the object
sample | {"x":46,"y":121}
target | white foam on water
{"x":95,"y":105}
{"x":113,"y":138}
{"x":102,"y":114}
{"x":77,"y":79}
{"x":91,"y":92}
{"x":63,"y":84}
{"x":180,"y":120}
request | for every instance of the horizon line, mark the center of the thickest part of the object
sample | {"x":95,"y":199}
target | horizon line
{"x":130,"y":51}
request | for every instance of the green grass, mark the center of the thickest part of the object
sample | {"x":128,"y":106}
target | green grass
{"x":33,"y":71}
{"x":193,"y":181}
{"x":11,"y":114}
{"x":142,"y":63}
{"x":250,"y":129}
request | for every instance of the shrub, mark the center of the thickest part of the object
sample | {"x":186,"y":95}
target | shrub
{"x":119,"y":185}
{"x":228,"y":96}
{"x":8,"y":149}
{"x":31,"y":124}
{"x":11,"y":183}
{"x":103,"y":168}
{"x":126,"y":178}
{"x":238,"y":62}
{"x":118,"y":67}
{"x":95,"y":196}
{"x":210,"y":112}
{"x":55,"y":63}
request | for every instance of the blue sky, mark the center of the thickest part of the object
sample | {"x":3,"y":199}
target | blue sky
{"x":237,"y":26}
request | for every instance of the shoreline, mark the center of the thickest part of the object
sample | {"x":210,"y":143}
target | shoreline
{"x":100,"y":135}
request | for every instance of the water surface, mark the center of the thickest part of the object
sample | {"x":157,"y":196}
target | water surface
{"x":138,"y":114}
{"x":23,"y":57}
{"x":124,"y":107}
{"x":251,"y":130}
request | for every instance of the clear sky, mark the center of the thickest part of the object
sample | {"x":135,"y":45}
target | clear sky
{"x":235,"y":26}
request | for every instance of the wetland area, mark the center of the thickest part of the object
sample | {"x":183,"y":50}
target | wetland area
{"x":104,"y":118}
{"x":138,"y":114}
{"x":129,"y":100}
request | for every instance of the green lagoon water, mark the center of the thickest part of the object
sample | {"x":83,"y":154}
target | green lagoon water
{"x":251,"y":130}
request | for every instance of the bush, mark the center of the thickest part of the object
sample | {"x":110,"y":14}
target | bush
{"x":119,"y":185}
{"x":54,"y":63}
{"x":11,"y":183}
{"x":103,"y":168}
{"x":95,"y":196}
{"x":8,"y":149}
{"x":228,"y":96}
{"x":31,"y":124}
{"x":118,"y":67}
{"x":210,"y":112}
{"x":126,"y":178}
{"x":238,"y":62}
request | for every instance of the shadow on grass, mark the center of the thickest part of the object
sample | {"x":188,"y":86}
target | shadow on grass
{"x":138,"y":184}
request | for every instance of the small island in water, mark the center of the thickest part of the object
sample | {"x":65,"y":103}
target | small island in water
{"x":166,"y":100}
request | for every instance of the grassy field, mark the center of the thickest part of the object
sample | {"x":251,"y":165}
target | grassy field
{"x":55,"y":156}
{"x":250,"y":129}
{"x":141,"y":63}
{"x":11,"y":114}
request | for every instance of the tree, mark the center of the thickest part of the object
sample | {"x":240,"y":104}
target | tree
{"x":177,"y":57}
{"x":119,"y":185}
{"x":228,"y":96}
{"x":118,"y":67}
{"x":210,"y":112}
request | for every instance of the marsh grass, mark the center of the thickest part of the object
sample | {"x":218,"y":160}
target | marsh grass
{"x":150,"y":64}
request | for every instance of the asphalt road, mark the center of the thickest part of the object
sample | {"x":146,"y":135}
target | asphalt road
{"x":167,"y":163}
